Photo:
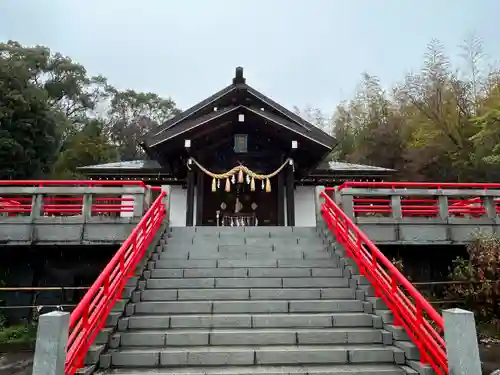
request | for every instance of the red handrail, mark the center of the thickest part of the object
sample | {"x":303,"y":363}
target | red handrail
{"x":90,"y":315}
{"x":411,"y":310}
{"x":71,"y":205}
{"x":42,"y":183}
{"x":417,"y":185}
{"x":422,"y":207}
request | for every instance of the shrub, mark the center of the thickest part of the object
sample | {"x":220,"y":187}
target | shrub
{"x":479,"y":276}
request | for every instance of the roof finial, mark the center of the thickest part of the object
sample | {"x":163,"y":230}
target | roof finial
{"x":238,"y":77}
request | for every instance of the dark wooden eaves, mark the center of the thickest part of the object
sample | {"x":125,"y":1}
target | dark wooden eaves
{"x":188,"y":125}
{"x":191,"y":111}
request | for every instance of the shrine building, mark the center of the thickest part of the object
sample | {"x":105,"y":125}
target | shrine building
{"x":238,"y":158}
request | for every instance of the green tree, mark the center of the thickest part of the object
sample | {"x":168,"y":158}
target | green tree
{"x":70,"y":92}
{"x":28,"y":125}
{"x":133,"y":114}
{"x":88,"y":146}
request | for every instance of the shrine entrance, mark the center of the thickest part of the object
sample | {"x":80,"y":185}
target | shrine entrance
{"x":238,"y":129}
{"x":240,"y":206}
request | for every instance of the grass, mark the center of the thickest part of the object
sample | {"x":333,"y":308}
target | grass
{"x":18,"y":334}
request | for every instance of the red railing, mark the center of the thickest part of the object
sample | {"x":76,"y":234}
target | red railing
{"x":413,"y":204}
{"x":411,"y":310}
{"x":74,"y":183}
{"x":68,"y":205}
{"x":418,"y":185}
{"x":8,"y":206}
{"x":90,"y":315}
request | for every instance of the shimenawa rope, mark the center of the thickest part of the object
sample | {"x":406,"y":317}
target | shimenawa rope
{"x":241,"y":170}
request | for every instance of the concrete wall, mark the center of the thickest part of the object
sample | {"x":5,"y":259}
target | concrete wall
{"x":305,"y":215}
{"x":72,"y":230}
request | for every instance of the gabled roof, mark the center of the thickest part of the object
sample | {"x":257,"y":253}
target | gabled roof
{"x":191,"y":111}
{"x":176,"y":125}
{"x":190,"y":124}
{"x":125,"y":165}
{"x":343,"y":166}
{"x":181,"y":127}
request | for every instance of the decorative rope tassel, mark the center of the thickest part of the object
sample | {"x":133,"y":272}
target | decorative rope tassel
{"x":214,"y":185}
{"x":252,"y":184}
{"x":228,"y":185}
{"x":268,"y":186}
{"x":241,"y":178}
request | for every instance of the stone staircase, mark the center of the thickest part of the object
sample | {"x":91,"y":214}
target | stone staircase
{"x":251,"y":300}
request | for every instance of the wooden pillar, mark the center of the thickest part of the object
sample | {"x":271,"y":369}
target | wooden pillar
{"x":281,"y":198}
{"x":290,"y":196}
{"x":200,"y":187}
{"x":190,"y":197}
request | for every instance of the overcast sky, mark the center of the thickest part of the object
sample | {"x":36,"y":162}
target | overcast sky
{"x":298,"y":52}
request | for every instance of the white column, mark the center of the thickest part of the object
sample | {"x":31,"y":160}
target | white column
{"x":178,"y":208}
{"x":461,"y":342}
{"x":305,"y":206}
{"x":51,"y":341}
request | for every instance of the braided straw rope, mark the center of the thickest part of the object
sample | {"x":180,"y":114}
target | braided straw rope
{"x":241,"y":169}
{"x":244,"y":169}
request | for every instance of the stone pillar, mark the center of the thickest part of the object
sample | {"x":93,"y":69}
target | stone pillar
{"x":317,"y":203}
{"x":337,"y":196}
{"x":443,"y":207}
{"x":348,"y":205}
{"x":148,"y":197}
{"x":87,"y":206}
{"x":461,"y":342}
{"x":139,"y":203}
{"x":36,"y":205}
{"x":396,"y":210}
{"x":166,"y":201}
{"x":490,"y":207}
{"x":51,"y":341}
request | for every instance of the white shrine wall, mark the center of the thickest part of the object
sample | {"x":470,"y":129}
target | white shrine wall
{"x":178,"y":207}
{"x":305,"y":206}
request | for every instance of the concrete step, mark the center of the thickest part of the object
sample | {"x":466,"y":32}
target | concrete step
{"x":163,"y":273}
{"x":358,"y":369}
{"x":243,"y":239}
{"x":262,"y":263}
{"x":248,"y":282}
{"x":252,"y":231}
{"x":292,"y":320}
{"x":283,"y":336}
{"x":320,"y":254}
{"x":264,"y":355}
{"x":247,"y":294}
{"x":239,"y":307}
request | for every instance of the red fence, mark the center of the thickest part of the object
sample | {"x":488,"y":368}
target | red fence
{"x":91,"y":313}
{"x":19,"y":205}
{"x":411,"y":310}
{"x":418,"y":185}
{"x":416,"y":204}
